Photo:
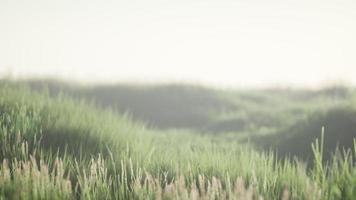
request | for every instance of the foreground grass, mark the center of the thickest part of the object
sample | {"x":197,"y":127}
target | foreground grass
{"x":59,"y":148}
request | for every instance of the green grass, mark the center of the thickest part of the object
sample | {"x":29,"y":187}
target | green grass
{"x":60,"y":148}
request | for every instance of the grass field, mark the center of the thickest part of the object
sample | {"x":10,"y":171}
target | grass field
{"x":64,"y":147}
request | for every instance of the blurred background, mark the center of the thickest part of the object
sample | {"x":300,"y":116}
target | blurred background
{"x":271,"y":72}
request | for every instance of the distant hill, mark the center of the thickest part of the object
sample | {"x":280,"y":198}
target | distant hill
{"x":339,"y":131}
{"x":169,"y":106}
{"x":284,"y":119}
{"x":160,"y":106}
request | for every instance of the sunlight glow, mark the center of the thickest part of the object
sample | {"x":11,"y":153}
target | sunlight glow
{"x":219,"y":42}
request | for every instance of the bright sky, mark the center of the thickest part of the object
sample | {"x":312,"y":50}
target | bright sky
{"x":219,"y":42}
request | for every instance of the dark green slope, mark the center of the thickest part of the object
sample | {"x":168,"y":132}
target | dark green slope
{"x":339,"y":131}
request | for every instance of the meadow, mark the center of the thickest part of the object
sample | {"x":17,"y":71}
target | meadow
{"x":73,"y":142}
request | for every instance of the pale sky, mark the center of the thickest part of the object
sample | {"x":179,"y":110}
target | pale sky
{"x":219,"y":42}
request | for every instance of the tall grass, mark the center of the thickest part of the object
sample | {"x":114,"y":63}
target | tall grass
{"x":59,"y":148}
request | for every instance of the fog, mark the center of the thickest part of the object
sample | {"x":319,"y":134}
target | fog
{"x":224,"y":43}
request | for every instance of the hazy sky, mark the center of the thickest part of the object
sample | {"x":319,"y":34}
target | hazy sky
{"x":233,"y":43}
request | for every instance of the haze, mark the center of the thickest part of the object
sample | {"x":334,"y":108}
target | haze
{"x":218,"y":42}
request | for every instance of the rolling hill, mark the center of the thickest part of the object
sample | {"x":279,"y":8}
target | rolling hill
{"x":61,"y":147}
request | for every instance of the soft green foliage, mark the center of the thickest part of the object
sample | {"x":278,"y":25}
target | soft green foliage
{"x":59,"y":148}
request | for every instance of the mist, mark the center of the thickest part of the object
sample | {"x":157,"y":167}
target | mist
{"x":220,"y":43}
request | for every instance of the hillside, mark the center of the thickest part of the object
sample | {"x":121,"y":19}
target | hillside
{"x":339,"y":130}
{"x":283,"y":119}
{"x":63,"y":148}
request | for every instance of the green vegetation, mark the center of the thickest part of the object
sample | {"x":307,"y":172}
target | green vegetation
{"x":61,"y":147}
{"x":287,"y":120}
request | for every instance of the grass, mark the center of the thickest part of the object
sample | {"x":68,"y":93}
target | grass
{"x":60,"y":148}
